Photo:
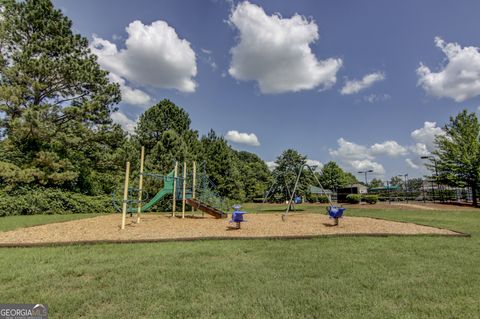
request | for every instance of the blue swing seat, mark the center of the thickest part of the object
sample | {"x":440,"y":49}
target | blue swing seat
{"x":335,"y":212}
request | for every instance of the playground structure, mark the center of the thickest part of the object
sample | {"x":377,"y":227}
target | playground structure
{"x":187,"y":188}
{"x":195,"y":190}
{"x":332,"y":210}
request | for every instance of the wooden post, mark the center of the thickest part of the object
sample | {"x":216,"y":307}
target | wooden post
{"x":140,"y":185}
{"x":175,"y":189}
{"x":125,"y":195}
{"x":184,"y":188}
{"x":194,"y":182}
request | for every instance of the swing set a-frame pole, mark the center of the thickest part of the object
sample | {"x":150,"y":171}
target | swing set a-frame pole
{"x":284,"y":216}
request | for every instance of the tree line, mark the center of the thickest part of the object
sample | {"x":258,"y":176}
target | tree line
{"x":59,"y":147}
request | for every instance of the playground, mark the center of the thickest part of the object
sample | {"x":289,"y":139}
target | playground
{"x":162,"y":227}
{"x":203,"y":215}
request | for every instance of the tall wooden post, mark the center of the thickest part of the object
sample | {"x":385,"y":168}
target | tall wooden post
{"x":194,"y":183}
{"x":175,"y":174}
{"x":140,"y":185}
{"x":184,"y":188}
{"x":125,"y":195}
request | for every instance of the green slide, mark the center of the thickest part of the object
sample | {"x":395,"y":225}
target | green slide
{"x":167,"y":189}
{"x":155,"y":199}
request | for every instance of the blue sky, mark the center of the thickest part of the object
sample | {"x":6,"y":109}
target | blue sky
{"x":358,"y":82}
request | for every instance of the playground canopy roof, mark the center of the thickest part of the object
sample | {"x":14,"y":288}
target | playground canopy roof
{"x":318,"y":190}
{"x":385,"y":188}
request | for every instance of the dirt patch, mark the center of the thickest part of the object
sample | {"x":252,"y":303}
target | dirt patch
{"x":156,"y":227}
{"x":412,"y":206}
{"x":415,"y":206}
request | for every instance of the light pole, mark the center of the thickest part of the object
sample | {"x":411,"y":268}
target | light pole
{"x":436,"y":172}
{"x":388,"y":191}
{"x":406,"y":186}
{"x":366,"y":172}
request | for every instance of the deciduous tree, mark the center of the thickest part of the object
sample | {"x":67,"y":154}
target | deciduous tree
{"x":285,"y":174}
{"x":458,"y":152}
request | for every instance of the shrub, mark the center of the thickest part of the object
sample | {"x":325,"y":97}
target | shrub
{"x":314,"y":198}
{"x":311,"y":198}
{"x":52,"y":201}
{"x":370,"y":199}
{"x":323,"y":199}
{"x":353,"y":198}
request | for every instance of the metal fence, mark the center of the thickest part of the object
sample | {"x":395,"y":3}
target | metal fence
{"x":429,"y":191}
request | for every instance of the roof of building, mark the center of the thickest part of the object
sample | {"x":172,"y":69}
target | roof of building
{"x":318,"y":190}
{"x":385,"y":188}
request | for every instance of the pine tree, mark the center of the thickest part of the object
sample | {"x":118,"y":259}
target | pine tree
{"x":160,"y":118}
{"x":222,"y":166}
{"x":55,"y":99}
{"x":255,"y":175}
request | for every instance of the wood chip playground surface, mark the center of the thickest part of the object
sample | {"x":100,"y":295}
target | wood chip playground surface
{"x":161,"y":227}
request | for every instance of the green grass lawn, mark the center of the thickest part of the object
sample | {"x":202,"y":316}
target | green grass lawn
{"x":338,"y":277}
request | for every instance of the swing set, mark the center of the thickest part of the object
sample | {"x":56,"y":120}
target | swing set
{"x":333,"y":211}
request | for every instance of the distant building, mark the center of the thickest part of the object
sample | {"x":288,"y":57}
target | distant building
{"x":354,"y":189}
{"x":314,"y":190}
{"x":343,"y":192}
{"x":318,"y":191}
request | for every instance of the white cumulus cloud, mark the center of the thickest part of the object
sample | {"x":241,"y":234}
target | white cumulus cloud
{"x":424,"y":138}
{"x":390,"y":148}
{"x":420,"y":149}
{"x":275,"y":52}
{"x":349,"y":150}
{"x":411,"y":163}
{"x":363,"y":165}
{"x":126,"y":123}
{"x":355,"y":86}
{"x":242,"y":138}
{"x":356,"y":157}
{"x":154,"y":55}
{"x":459,"y":79}
{"x":129,"y":94}
{"x":426,"y":134}
{"x":316,"y":163}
